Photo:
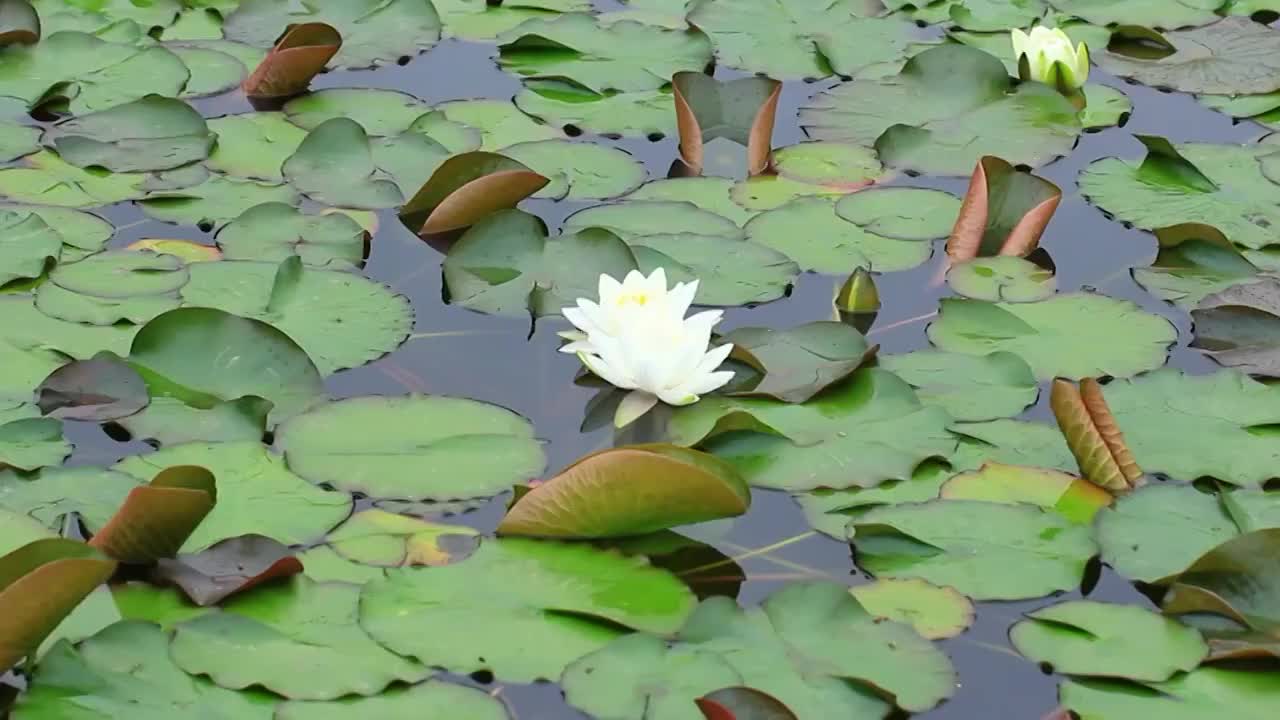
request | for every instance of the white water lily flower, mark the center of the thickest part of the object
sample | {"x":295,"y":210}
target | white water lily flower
{"x":637,"y":338}
{"x":1051,"y":58}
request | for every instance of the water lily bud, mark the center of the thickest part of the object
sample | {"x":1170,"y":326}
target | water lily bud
{"x":1047,"y":56}
{"x":859,"y":294}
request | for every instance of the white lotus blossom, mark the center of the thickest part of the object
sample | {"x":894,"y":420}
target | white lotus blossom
{"x":1051,"y":57}
{"x":637,"y":338}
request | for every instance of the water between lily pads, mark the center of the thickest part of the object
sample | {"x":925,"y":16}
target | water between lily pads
{"x":497,"y":360}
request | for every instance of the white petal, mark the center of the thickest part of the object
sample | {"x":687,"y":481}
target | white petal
{"x":609,"y":289}
{"x":1020,"y":40}
{"x":681,"y":297}
{"x":596,"y":319}
{"x":710,"y":382}
{"x":578,"y":346}
{"x":678,"y":396}
{"x":578,"y":318}
{"x":713,"y":359}
{"x":632,"y":407}
{"x":656,"y":283}
{"x":572,"y":335}
{"x":604,"y":371}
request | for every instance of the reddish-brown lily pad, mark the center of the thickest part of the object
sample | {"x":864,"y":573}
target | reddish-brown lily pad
{"x":465,"y":189}
{"x":1004,"y":212}
{"x":156,"y":519}
{"x":229,"y":567}
{"x":1093,"y":435}
{"x":19,"y":23}
{"x":743,"y":703}
{"x":299,"y":55}
{"x":741,"y":110}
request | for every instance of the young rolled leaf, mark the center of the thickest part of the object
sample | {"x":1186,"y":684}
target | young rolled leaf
{"x":1093,"y":435}
{"x":743,"y":703}
{"x":299,"y":55}
{"x":156,"y":519}
{"x":1164,"y":165}
{"x":231,"y":566}
{"x":40,"y":584}
{"x":99,"y":389}
{"x":1004,"y":212}
{"x":19,"y":23}
{"x":629,"y":491}
{"x":466,"y":188}
{"x":741,"y":110}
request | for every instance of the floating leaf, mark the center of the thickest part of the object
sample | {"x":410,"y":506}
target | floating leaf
{"x":924,"y":119}
{"x":151,"y":133}
{"x":52,"y":493}
{"x":169,"y":421}
{"x":829,"y":511}
{"x":798,"y":363}
{"x":272,"y":232}
{"x":1094,"y":436}
{"x":433,"y":698}
{"x":228,"y":567}
{"x":17,"y":141}
{"x":968,"y":387}
{"x":186,"y":250}
{"x":45,"y":179}
{"x":1239,"y":327}
{"x":412,"y":447}
{"x":1203,"y":692}
{"x":729,"y":271}
{"x":254,"y":145}
{"x":29,"y":443}
{"x":810,"y":645}
{"x":634,"y":219}
{"x":28,"y":246}
{"x":41,"y":583}
{"x":334,"y":165}
{"x":1012,"y":442}
{"x":570,"y":600}
{"x":215,"y":201}
{"x":373,"y":31}
{"x":297,"y":57}
{"x":381,"y":539}
{"x":1002,"y":278}
{"x":1194,"y":261}
{"x":1232,"y":56}
{"x":1004,"y":213}
{"x":157,"y":519}
{"x":1119,"y":340}
{"x":629,"y":491}
{"x":499,"y":123}
{"x":1083,"y":637}
{"x":1141,"y":12}
{"x":484,"y":21}
{"x":465,"y":189}
{"x":622,"y":56}
{"x":19,"y":23}
{"x":741,"y":110}
{"x":98,"y":389}
{"x":743,"y":702}
{"x":1067,"y":495}
{"x":708,"y":193}
{"x":935,"y":612}
{"x":579,"y":171}
{"x":988,"y":551}
{"x":569,"y":105}
{"x":113,"y":286}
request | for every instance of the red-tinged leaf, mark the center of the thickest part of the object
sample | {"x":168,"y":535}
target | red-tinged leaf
{"x":1004,"y":212}
{"x":743,"y":703}
{"x":229,"y":567}
{"x":157,"y":519}
{"x":299,"y":55}
{"x":40,"y":584}
{"x":465,"y":189}
{"x":741,"y":110}
{"x":1093,"y":435}
{"x":19,"y":23}
{"x":99,"y":389}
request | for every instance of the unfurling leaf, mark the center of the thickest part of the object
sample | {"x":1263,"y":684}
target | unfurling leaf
{"x":1093,"y":435}
{"x":465,"y":189}
{"x":629,"y":491}
{"x":231,"y":566}
{"x":156,"y":519}
{"x":743,"y":703}
{"x":298,"y":56}
{"x":741,"y":110}
{"x":19,"y":23}
{"x":1004,"y":213}
{"x":40,"y":584}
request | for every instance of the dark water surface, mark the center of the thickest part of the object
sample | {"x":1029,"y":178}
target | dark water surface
{"x":461,"y":353}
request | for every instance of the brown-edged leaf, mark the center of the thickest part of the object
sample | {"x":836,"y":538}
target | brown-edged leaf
{"x":229,"y":567}
{"x":298,"y":56}
{"x":743,"y":703}
{"x":466,"y":188}
{"x":629,"y":491}
{"x":1071,"y":497}
{"x":40,"y":584}
{"x":741,"y":110}
{"x":156,"y":519}
{"x":799,"y":362}
{"x":19,"y":23}
{"x":1093,"y":435}
{"x":1004,"y":212}
{"x":101,"y":388}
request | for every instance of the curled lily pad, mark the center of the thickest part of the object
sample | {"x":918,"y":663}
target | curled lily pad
{"x":465,"y":189}
{"x":1195,"y":260}
{"x":1232,"y":56}
{"x":228,"y":567}
{"x":101,"y":388}
{"x":300,"y":53}
{"x":1067,"y":495}
{"x":185,"y":250}
{"x":1094,"y":436}
{"x":19,"y":23}
{"x":373,"y":31}
{"x":798,"y":363}
{"x":1005,"y":212}
{"x":629,"y":491}
{"x":1239,"y":327}
{"x":741,"y":110}
{"x":157,"y":518}
{"x":151,"y":133}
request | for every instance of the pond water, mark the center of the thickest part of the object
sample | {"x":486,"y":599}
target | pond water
{"x":509,"y":362}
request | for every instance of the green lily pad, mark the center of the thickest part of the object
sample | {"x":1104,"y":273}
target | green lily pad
{"x":17,"y":140}
{"x":27,"y":245}
{"x":621,"y":56}
{"x":1105,"y":107}
{"x":1232,"y":56}
{"x":1073,"y":498}
{"x":1194,"y":261}
{"x":706,"y":192}
{"x":414,"y":447}
{"x":113,"y":286}
{"x":257,"y":494}
{"x":95,"y":493}
{"x":334,"y":165}
{"x":968,"y":387}
{"x":339,"y":318}
{"x":46,"y":179}
{"x":1203,"y":692}
{"x":373,"y":32}
{"x":482,"y":20}
{"x":829,"y":511}
{"x":302,"y":640}
{"x":169,"y":421}
{"x":988,"y":551}
{"x":214,"y":202}
{"x":256,"y":359}
{"x":408,"y":160}
{"x":923,"y":120}
{"x":1012,"y":442}
{"x":89,"y":73}
{"x":1245,"y":206}
{"x":810,"y":645}
{"x":801,"y":40}
{"x":82,"y":233}
{"x":151,"y":133}
{"x":253,"y":146}
{"x":273,"y":232}
{"x":1239,"y":327}
{"x":30,"y":443}
{"x":1082,"y":637}
{"x":901,"y":213}
{"x":809,"y":231}
{"x":506,"y":265}
{"x":380,"y":112}
{"x":1002,"y":278}
{"x":1157,"y":531}
{"x":501,"y":124}
{"x":833,"y":164}
{"x":567,"y":104}
{"x":433,"y":698}
{"x":631,"y":219}
{"x":1119,"y":340}
{"x":105,"y":671}
{"x":935,"y":612}
{"x":1152,"y":13}
{"x":1189,"y":427}
{"x":580,"y":171}
{"x":864,"y":431}
{"x":33,"y":345}
{"x":729,"y":271}
{"x":799,"y":362}
{"x":379,"y":539}
{"x":571,"y":600}
{"x":216,"y":65}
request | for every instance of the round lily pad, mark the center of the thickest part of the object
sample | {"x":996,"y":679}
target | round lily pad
{"x":707,"y":192}
{"x":212,"y":71}
{"x":215,"y":201}
{"x":839,"y":165}
{"x":272,"y":232}
{"x":31,"y":443}
{"x":567,"y":105}
{"x":433,"y":698}
{"x":484,"y":21}
{"x":829,"y":511}
{"x":1151,"y":13}
{"x":935,"y":612}
{"x":32,"y":344}
{"x":501,"y":124}
{"x":1119,"y":340}
{"x":901,"y":213}
{"x":27,"y":245}
{"x":257,"y":494}
{"x":507,"y":628}
{"x":373,"y":31}
{"x":113,"y":286}
{"x":413,"y":447}
{"x":253,"y":146}
{"x":17,"y":140}
{"x":729,"y":271}
{"x":82,"y":233}
{"x":151,"y":133}
{"x":1002,"y":279}
{"x":1071,"y":497}
{"x":636,"y":218}
{"x":1232,"y":56}
{"x":334,"y":165}
{"x":1012,"y":442}
{"x":46,"y":179}
{"x":380,"y":112}
{"x":968,"y":387}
